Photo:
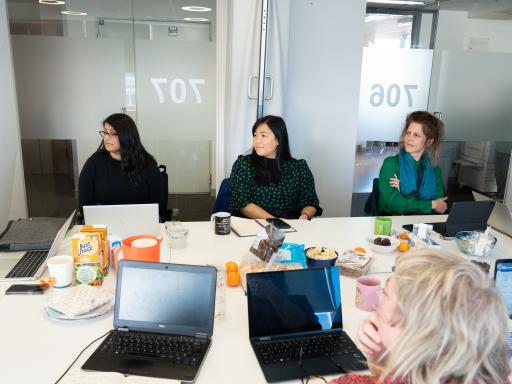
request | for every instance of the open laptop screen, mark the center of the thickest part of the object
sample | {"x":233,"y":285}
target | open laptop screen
{"x":503,"y":279}
{"x":166,"y":298}
{"x":289,"y":302}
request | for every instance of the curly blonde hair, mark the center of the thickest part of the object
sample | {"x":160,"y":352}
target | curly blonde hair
{"x":454,"y":323}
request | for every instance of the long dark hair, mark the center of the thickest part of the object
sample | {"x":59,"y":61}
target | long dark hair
{"x":134,"y":157}
{"x":262,"y":166}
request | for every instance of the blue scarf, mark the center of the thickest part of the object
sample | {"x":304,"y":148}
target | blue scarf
{"x":411,"y":184}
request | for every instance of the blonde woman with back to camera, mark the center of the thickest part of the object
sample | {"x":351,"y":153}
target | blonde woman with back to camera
{"x":439,"y":321}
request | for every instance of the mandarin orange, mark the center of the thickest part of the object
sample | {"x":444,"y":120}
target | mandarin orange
{"x":233,"y":279}
{"x":403,"y":247}
{"x":231,"y":266}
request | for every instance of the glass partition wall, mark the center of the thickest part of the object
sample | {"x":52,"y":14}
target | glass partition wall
{"x":78,"y":62}
{"x":453,"y":62}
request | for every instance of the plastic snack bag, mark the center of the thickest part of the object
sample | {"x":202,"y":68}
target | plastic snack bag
{"x":290,"y":254}
{"x":266,"y":243}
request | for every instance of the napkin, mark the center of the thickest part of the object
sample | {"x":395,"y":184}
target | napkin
{"x":80,"y":299}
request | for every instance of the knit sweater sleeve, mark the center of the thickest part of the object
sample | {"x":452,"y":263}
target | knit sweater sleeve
{"x":390,"y":199}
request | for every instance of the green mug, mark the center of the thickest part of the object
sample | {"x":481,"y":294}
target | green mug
{"x":382,"y":226}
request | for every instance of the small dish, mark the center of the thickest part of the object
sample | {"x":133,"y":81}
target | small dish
{"x":475,"y":243}
{"x":383,"y":248}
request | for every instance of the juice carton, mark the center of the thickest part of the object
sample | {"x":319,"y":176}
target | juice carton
{"x":104,"y":244}
{"x":86,"y":253}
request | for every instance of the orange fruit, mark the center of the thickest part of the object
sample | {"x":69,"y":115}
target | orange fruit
{"x":233,"y":279}
{"x":403,"y":247}
{"x":360,"y":250}
{"x":231,"y":266}
{"x":404,"y":236}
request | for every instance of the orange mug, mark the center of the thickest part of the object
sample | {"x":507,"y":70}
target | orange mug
{"x":139,"y":248}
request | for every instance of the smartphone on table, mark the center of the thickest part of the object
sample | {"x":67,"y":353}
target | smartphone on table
{"x":24,"y":289}
{"x":503,"y":281}
{"x":278,"y":223}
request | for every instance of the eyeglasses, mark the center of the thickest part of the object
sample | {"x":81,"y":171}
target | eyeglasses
{"x":105,"y":133}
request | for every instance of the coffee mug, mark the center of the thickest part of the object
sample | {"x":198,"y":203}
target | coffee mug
{"x":367,"y":293}
{"x":177,"y":235}
{"x":222,"y":223}
{"x":60,"y":269}
{"x":382,"y":226}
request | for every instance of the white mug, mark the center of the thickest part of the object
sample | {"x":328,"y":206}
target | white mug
{"x":60,"y":268}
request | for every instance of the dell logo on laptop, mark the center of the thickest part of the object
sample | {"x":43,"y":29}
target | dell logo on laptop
{"x":161,"y":325}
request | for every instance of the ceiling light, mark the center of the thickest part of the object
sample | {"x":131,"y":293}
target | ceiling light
{"x":196,"y":9}
{"x":398,"y":2}
{"x":52,"y":2}
{"x":195,"y":19}
{"x":74,"y":13}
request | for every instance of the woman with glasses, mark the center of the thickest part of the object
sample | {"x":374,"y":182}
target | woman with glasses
{"x":439,"y":321}
{"x":121,"y":171}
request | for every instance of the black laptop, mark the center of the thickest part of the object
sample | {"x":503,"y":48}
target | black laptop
{"x":463,"y":216}
{"x":295,"y":324}
{"x":163,"y":321}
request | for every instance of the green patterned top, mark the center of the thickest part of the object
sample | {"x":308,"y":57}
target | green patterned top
{"x":285,"y":199}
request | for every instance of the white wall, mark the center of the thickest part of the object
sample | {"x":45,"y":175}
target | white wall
{"x":324,"y":71}
{"x":12,"y":187}
{"x":498,"y":33}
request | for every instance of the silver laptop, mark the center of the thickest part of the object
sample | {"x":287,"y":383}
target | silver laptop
{"x":500,"y":219}
{"x":30,"y":265}
{"x":125,"y":220}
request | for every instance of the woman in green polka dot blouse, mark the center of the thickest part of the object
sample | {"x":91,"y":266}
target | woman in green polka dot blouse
{"x":270,"y":182}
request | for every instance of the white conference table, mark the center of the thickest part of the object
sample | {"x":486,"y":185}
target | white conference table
{"x":37,"y":349}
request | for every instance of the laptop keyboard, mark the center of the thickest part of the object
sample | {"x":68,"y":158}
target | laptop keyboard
{"x":28,"y":264}
{"x":175,"y":349}
{"x":312,"y":346}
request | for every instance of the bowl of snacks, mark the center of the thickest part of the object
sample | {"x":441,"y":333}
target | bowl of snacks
{"x":320,"y":257}
{"x":382,"y":243}
{"x":475,"y":243}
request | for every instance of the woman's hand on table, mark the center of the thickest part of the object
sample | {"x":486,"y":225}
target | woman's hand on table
{"x":439,"y":205}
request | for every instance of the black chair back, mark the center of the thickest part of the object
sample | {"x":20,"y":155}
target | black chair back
{"x":371,"y":207}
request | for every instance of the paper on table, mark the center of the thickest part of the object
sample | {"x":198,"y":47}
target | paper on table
{"x":245,"y":227}
{"x":77,"y":376}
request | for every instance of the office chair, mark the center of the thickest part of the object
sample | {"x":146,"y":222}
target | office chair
{"x":223,"y":197}
{"x":165,"y":214}
{"x":371,"y":207}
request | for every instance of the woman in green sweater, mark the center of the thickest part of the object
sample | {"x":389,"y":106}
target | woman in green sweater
{"x":270,"y":182}
{"x":408,"y":182}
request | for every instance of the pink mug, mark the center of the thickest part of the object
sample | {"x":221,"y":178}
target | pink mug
{"x":367,"y":293}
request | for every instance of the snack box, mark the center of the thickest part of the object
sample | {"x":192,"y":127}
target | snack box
{"x":85,"y":248}
{"x":104,"y":247}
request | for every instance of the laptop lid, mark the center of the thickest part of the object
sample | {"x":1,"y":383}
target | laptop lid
{"x":166,"y":298}
{"x":503,"y":281}
{"x":468,"y":216}
{"x":126,"y":219}
{"x":288,"y":303}
{"x":501,"y":218}
{"x":9,"y":260}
